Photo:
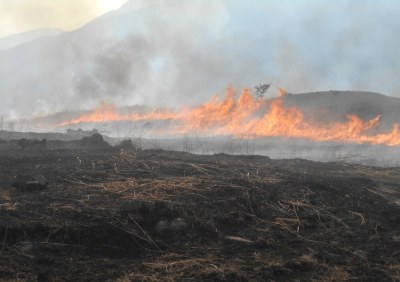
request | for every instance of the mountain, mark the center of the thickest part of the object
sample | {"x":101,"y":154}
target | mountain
{"x":14,"y":40}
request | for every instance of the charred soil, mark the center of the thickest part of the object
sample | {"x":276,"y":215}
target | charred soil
{"x":111,"y":214}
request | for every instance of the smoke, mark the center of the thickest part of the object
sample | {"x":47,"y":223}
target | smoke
{"x":169,"y":53}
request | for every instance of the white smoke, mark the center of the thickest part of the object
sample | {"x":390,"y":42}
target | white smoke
{"x":166,"y":53}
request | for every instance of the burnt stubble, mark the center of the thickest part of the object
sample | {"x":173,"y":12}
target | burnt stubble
{"x":146,"y":215}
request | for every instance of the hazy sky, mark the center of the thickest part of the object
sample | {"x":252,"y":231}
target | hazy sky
{"x":22,"y":15}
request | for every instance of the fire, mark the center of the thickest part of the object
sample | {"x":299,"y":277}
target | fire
{"x":246,"y":116}
{"x":108,"y":113}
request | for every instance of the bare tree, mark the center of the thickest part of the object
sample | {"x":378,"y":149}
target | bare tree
{"x":261,"y":89}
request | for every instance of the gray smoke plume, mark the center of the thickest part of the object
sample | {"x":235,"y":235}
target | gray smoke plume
{"x":169,"y":53}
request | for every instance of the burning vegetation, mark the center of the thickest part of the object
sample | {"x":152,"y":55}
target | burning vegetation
{"x":255,"y":116}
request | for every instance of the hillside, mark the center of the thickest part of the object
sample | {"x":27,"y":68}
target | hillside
{"x":330,"y":106}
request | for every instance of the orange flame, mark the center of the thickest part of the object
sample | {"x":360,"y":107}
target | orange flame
{"x":247,"y":115}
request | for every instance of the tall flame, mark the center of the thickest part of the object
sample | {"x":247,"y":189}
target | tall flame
{"x":250,"y":116}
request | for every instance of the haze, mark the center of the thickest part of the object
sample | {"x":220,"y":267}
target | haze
{"x":170,"y":53}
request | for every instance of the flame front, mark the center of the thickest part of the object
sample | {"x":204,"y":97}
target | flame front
{"x":246,"y":116}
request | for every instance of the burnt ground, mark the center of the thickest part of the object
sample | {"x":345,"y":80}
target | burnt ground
{"x":159,"y":215}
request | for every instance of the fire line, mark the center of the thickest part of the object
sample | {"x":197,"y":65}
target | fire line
{"x":247,"y":115}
